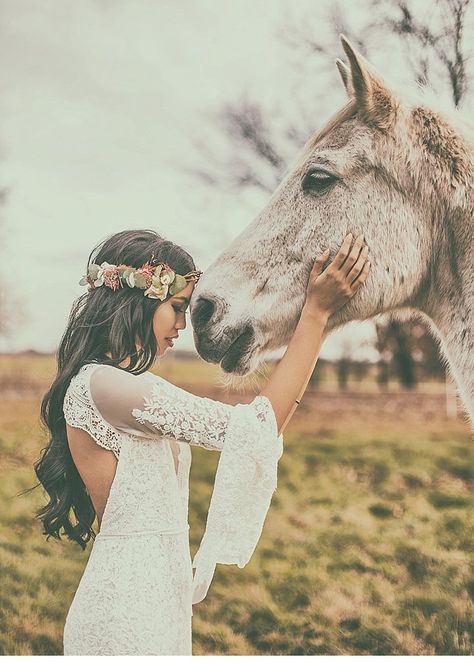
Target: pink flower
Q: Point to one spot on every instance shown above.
(111, 279)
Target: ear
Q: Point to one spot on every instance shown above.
(372, 96)
(345, 73)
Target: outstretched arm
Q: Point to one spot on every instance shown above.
(327, 291)
(148, 405)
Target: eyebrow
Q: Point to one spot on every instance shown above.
(184, 299)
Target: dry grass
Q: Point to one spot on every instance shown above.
(366, 549)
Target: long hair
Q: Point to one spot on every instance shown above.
(108, 327)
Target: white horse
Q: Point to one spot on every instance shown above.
(395, 170)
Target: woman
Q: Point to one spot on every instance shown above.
(120, 438)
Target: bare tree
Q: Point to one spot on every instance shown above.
(444, 44)
(261, 141)
(394, 343)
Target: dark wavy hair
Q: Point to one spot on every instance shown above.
(104, 326)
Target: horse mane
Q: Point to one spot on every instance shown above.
(444, 134)
(347, 112)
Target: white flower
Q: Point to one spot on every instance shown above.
(167, 277)
(157, 293)
(101, 273)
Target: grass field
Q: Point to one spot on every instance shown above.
(367, 548)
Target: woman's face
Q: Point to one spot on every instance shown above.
(170, 317)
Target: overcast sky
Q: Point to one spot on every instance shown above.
(101, 102)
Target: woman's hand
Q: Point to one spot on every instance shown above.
(329, 289)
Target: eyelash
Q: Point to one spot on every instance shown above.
(181, 311)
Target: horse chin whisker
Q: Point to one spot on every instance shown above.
(239, 383)
(233, 382)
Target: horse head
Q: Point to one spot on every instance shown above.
(369, 171)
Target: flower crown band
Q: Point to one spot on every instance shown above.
(158, 281)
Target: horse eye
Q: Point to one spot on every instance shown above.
(318, 181)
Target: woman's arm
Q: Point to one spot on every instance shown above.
(327, 291)
(148, 405)
(291, 376)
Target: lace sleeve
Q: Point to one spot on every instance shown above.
(246, 479)
(149, 405)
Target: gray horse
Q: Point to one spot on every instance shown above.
(391, 168)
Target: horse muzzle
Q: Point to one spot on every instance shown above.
(229, 346)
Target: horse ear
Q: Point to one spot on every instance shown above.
(345, 73)
(373, 97)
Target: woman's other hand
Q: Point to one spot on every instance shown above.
(331, 287)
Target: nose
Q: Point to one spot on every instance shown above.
(202, 313)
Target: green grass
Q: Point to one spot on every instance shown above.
(367, 548)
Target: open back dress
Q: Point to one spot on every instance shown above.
(136, 593)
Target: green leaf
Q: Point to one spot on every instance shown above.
(178, 284)
(93, 271)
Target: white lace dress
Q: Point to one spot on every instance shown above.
(136, 594)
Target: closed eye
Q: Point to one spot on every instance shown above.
(318, 181)
(180, 311)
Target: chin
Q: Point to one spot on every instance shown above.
(243, 365)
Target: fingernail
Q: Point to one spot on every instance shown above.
(349, 235)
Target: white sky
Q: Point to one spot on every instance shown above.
(101, 101)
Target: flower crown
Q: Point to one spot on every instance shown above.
(156, 280)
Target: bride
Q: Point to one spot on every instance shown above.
(120, 437)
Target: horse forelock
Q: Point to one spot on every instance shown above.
(346, 113)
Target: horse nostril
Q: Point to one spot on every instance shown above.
(202, 312)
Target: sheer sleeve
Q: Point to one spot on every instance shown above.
(149, 405)
(246, 476)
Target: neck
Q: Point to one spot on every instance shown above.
(123, 364)
(450, 303)
(457, 343)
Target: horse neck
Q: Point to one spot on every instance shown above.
(450, 299)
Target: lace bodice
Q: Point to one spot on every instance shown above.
(138, 418)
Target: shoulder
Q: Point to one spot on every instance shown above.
(93, 373)
(104, 382)
(109, 384)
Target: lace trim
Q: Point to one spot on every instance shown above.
(245, 480)
(171, 414)
(80, 411)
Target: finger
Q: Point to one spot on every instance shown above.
(353, 254)
(319, 262)
(358, 265)
(358, 281)
(343, 252)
